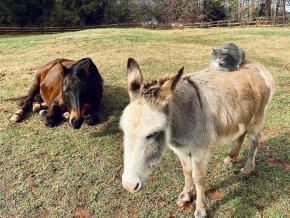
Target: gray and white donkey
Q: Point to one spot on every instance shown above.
(190, 114)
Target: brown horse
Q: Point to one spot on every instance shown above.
(65, 86)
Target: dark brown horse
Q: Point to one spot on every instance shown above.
(65, 86)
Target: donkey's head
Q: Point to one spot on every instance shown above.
(144, 123)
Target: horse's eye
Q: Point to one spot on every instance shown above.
(152, 136)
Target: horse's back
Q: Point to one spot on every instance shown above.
(50, 78)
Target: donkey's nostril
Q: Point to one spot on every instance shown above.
(136, 187)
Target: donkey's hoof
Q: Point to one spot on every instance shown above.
(65, 116)
(200, 213)
(184, 199)
(36, 107)
(244, 175)
(228, 161)
(15, 118)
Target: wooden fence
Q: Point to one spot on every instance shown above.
(260, 21)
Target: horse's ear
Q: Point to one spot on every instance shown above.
(134, 77)
(64, 69)
(86, 65)
(167, 88)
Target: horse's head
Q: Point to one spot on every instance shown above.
(76, 80)
(144, 123)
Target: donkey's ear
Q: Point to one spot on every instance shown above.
(134, 77)
(166, 90)
(172, 83)
(63, 69)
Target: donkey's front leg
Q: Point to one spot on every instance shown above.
(199, 164)
(186, 195)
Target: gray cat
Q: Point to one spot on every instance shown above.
(227, 58)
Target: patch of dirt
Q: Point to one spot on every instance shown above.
(273, 162)
(188, 206)
(43, 213)
(171, 215)
(81, 213)
(213, 194)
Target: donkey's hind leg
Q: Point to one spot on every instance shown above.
(187, 194)
(27, 103)
(234, 152)
(250, 163)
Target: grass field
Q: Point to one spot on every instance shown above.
(62, 172)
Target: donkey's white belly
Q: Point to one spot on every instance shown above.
(223, 140)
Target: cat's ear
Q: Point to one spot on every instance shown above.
(213, 50)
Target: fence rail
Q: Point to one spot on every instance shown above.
(259, 21)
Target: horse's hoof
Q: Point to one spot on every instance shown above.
(243, 175)
(36, 108)
(15, 118)
(42, 112)
(65, 116)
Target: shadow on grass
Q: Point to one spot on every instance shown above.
(114, 101)
(259, 191)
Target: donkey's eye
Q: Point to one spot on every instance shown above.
(152, 135)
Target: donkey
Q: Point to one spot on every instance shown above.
(65, 86)
(189, 114)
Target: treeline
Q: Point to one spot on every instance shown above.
(96, 12)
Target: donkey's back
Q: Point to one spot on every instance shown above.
(232, 103)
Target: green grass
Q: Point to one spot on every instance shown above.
(61, 172)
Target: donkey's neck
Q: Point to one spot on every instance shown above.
(186, 115)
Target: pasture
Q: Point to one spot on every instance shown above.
(62, 172)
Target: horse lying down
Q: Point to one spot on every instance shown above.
(189, 114)
(65, 86)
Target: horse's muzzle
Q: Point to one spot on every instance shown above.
(77, 123)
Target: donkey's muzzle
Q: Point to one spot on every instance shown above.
(77, 123)
(132, 184)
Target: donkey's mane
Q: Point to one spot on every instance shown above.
(149, 87)
(150, 91)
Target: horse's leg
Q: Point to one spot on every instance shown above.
(186, 195)
(39, 104)
(27, 103)
(250, 163)
(234, 152)
(199, 164)
(91, 117)
(52, 116)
